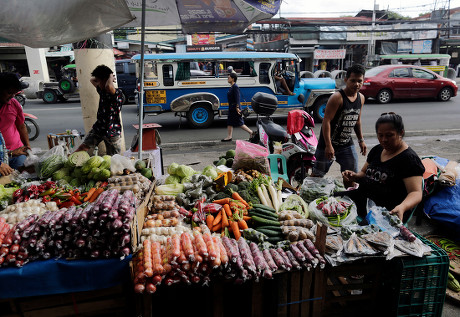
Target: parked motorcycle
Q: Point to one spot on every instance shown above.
(298, 142)
(21, 98)
(32, 126)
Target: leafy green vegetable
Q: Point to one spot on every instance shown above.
(6, 194)
(172, 179)
(295, 202)
(172, 168)
(170, 189)
(184, 171)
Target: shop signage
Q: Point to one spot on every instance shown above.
(203, 48)
(203, 39)
(329, 54)
(421, 46)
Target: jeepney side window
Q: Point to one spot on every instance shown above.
(168, 79)
(264, 75)
(150, 70)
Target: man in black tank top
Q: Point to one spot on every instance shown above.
(342, 116)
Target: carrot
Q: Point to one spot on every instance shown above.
(96, 194)
(246, 218)
(224, 219)
(235, 230)
(90, 193)
(222, 201)
(237, 196)
(227, 209)
(217, 220)
(209, 220)
(217, 227)
(242, 224)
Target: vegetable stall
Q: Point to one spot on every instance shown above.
(229, 236)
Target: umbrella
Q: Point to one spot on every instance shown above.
(45, 23)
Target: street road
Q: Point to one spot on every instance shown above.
(418, 115)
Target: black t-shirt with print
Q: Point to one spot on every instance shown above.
(108, 121)
(383, 182)
(343, 123)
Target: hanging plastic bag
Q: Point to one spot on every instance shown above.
(251, 156)
(32, 157)
(119, 163)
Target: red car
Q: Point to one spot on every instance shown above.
(388, 82)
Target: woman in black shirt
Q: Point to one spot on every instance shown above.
(392, 175)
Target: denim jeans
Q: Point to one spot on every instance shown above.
(17, 161)
(347, 157)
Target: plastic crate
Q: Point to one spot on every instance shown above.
(423, 282)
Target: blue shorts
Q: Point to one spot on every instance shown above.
(345, 156)
(17, 161)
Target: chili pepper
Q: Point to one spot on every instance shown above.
(75, 200)
(25, 198)
(50, 184)
(57, 201)
(48, 192)
(46, 199)
(41, 188)
(104, 184)
(62, 196)
(67, 204)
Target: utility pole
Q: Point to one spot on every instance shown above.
(371, 45)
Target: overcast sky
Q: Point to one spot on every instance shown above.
(336, 8)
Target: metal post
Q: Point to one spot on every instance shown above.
(141, 83)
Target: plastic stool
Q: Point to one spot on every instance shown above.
(278, 167)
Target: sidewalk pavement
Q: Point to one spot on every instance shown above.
(444, 144)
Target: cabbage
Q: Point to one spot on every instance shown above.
(211, 173)
(6, 193)
(209, 167)
(184, 171)
(172, 168)
(60, 173)
(186, 179)
(170, 189)
(172, 179)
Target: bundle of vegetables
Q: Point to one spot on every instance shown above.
(199, 187)
(243, 189)
(246, 175)
(267, 193)
(295, 203)
(228, 215)
(315, 187)
(334, 209)
(18, 212)
(93, 230)
(51, 165)
(137, 183)
(265, 220)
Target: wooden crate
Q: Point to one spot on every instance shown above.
(355, 289)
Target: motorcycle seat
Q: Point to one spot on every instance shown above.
(275, 131)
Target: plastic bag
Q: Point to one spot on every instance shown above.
(60, 149)
(334, 220)
(357, 246)
(251, 156)
(316, 187)
(119, 163)
(376, 216)
(32, 157)
(334, 244)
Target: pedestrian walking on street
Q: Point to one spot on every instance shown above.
(107, 127)
(235, 118)
(342, 115)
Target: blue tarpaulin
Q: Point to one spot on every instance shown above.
(62, 276)
(444, 207)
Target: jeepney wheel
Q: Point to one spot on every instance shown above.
(200, 116)
(319, 107)
(49, 96)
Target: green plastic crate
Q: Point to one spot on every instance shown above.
(423, 282)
